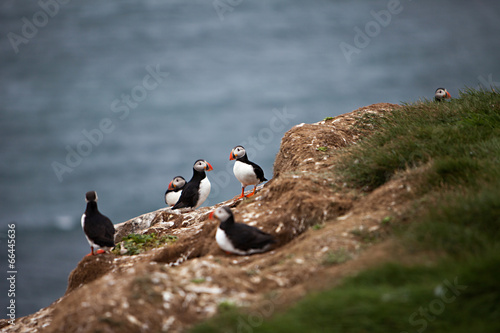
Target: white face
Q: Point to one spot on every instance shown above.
(440, 93)
(222, 213)
(200, 165)
(239, 151)
(178, 182)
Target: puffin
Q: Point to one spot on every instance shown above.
(98, 229)
(239, 238)
(174, 190)
(196, 191)
(441, 94)
(247, 172)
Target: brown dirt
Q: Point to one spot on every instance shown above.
(317, 223)
(88, 270)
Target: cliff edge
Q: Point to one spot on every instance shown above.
(321, 228)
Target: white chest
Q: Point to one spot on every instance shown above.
(91, 243)
(172, 197)
(245, 174)
(224, 242)
(204, 191)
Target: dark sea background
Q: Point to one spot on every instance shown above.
(243, 75)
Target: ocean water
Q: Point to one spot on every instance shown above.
(121, 96)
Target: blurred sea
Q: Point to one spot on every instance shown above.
(139, 90)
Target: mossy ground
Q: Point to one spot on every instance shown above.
(137, 243)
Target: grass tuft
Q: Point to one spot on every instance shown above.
(336, 257)
(136, 243)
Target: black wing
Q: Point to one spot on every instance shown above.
(101, 231)
(189, 197)
(258, 171)
(110, 231)
(248, 237)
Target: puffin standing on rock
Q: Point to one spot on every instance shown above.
(97, 228)
(197, 189)
(441, 94)
(239, 238)
(248, 173)
(174, 190)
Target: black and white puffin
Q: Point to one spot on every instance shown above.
(239, 238)
(441, 94)
(196, 191)
(174, 190)
(98, 228)
(248, 173)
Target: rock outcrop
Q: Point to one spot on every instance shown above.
(321, 230)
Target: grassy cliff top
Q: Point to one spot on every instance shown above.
(442, 271)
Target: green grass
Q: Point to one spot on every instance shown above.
(390, 298)
(136, 243)
(386, 220)
(462, 224)
(318, 226)
(460, 138)
(455, 218)
(336, 257)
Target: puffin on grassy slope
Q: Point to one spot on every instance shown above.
(239, 238)
(196, 191)
(97, 228)
(174, 190)
(441, 94)
(248, 173)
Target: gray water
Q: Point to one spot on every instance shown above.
(241, 73)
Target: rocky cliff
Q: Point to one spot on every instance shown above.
(320, 225)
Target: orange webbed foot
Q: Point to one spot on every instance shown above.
(242, 194)
(91, 252)
(253, 192)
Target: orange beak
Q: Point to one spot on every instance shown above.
(171, 186)
(209, 167)
(211, 216)
(448, 95)
(231, 156)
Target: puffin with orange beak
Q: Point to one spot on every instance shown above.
(196, 191)
(174, 190)
(441, 94)
(239, 238)
(247, 173)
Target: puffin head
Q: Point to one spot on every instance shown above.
(222, 214)
(441, 94)
(177, 183)
(91, 196)
(237, 153)
(202, 165)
